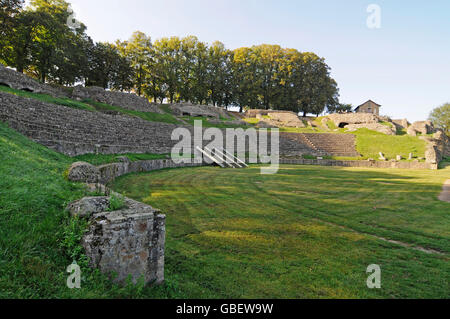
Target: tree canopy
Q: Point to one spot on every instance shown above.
(38, 40)
(440, 117)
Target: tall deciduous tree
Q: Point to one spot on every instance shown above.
(441, 117)
(138, 51)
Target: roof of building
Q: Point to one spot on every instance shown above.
(366, 103)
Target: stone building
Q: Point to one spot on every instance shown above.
(369, 107)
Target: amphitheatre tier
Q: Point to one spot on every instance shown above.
(76, 132)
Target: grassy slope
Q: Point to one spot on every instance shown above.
(90, 105)
(100, 159)
(38, 240)
(48, 99)
(218, 247)
(369, 143)
(236, 233)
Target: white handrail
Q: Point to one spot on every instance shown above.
(236, 158)
(210, 157)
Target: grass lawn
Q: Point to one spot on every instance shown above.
(239, 234)
(100, 159)
(232, 233)
(48, 98)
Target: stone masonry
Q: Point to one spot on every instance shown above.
(128, 101)
(76, 132)
(19, 81)
(129, 241)
(126, 243)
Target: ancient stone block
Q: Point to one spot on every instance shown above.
(423, 127)
(378, 127)
(88, 206)
(128, 243)
(84, 172)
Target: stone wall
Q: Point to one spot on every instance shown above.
(127, 101)
(369, 164)
(76, 132)
(104, 174)
(187, 109)
(19, 81)
(342, 120)
(128, 242)
(282, 119)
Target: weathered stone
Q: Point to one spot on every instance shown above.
(19, 81)
(123, 159)
(382, 157)
(186, 109)
(342, 120)
(431, 155)
(402, 124)
(128, 101)
(411, 156)
(88, 206)
(423, 127)
(284, 119)
(399, 158)
(84, 172)
(411, 131)
(378, 127)
(128, 242)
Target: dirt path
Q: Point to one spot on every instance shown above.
(396, 242)
(445, 195)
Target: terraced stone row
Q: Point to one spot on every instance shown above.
(75, 132)
(334, 144)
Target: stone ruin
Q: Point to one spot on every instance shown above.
(271, 118)
(192, 110)
(19, 81)
(128, 242)
(355, 121)
(127, 101)
(422, 127)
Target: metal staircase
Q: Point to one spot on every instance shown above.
(222, 157)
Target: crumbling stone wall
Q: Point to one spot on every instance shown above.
(342, 120)
(187, 109)
(282, 119)
(422, 127)
(127, 101)
(19, 81)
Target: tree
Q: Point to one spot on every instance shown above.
(9, 9)
(441, 117)
(219, 77)
(137, 50)
(167, 51)
(107, 68)
(340, 108)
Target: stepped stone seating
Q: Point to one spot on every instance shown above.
(19, 81)
(125, 100)
(76, 132)
(334, 144)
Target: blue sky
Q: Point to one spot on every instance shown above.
(404, 65)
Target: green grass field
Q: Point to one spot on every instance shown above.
(307, 232)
